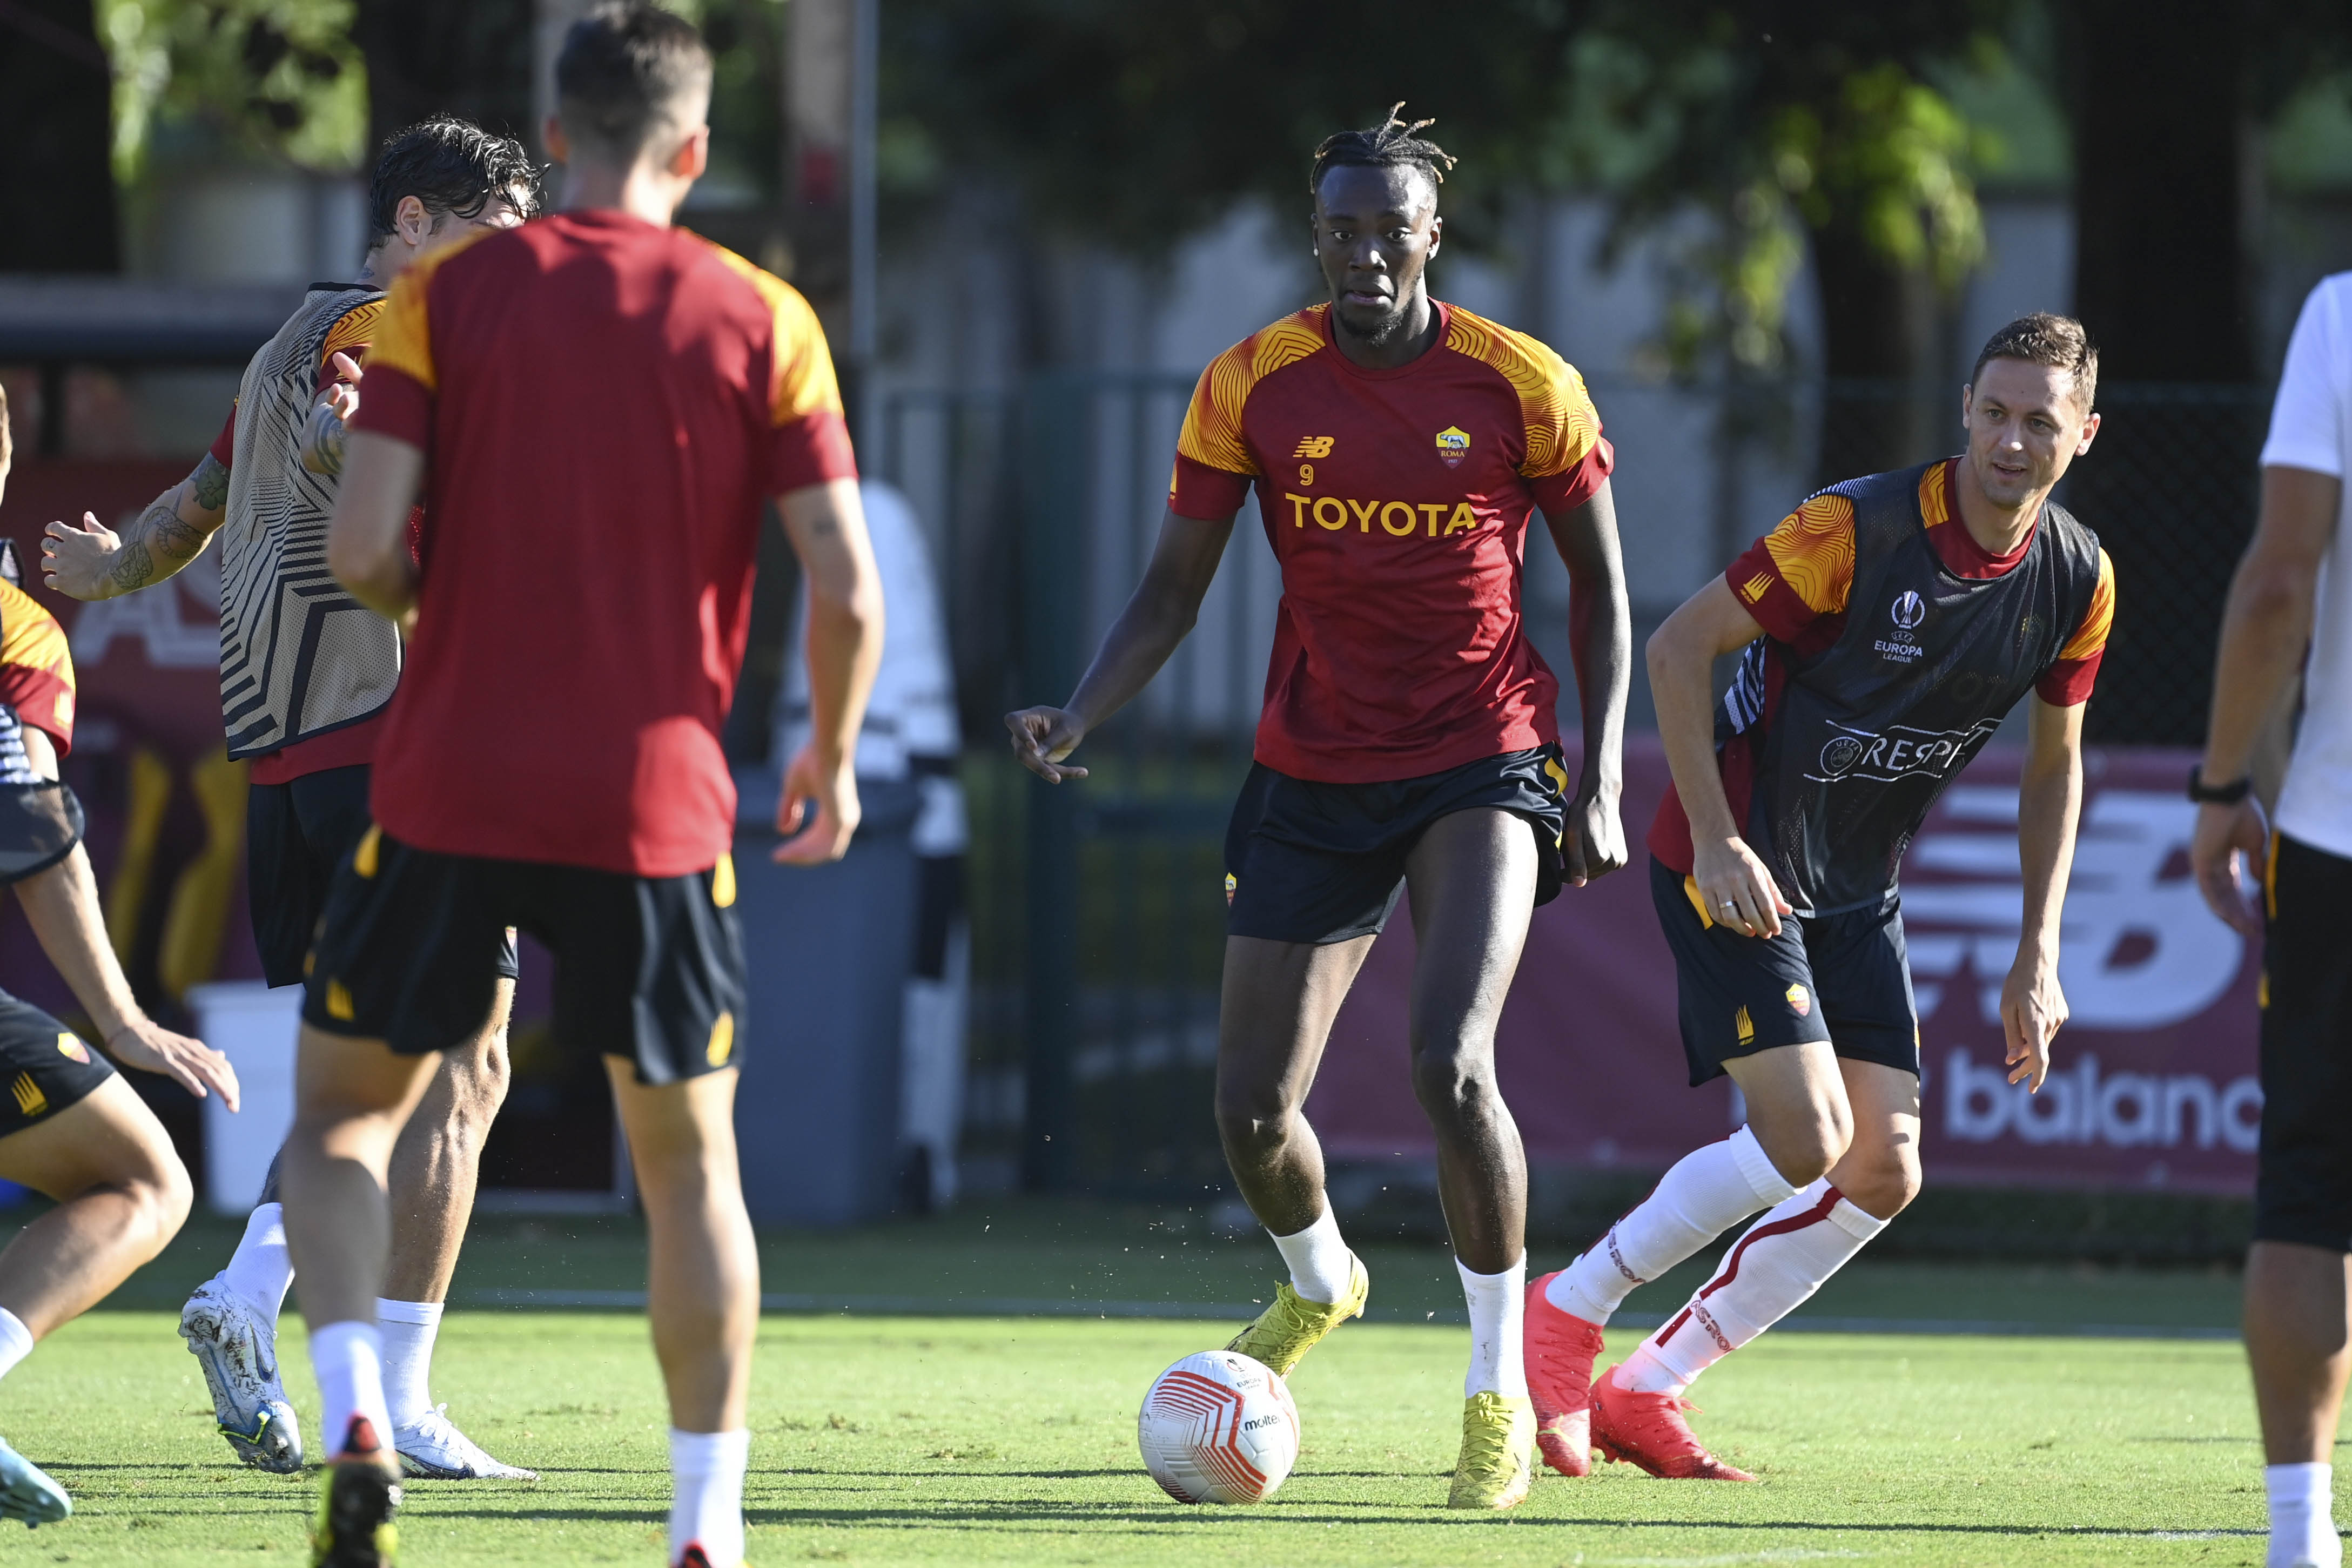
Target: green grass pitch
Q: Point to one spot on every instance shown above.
(977, 1440)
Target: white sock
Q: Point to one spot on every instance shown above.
(1320, 1263)
(1775, 1269)
(706, 1507)
(408, 1329)
(261, 1268)
(1708, 1191)
(1497, 1312)
(348, 1360)
(16, 1341)
(2303, 1516)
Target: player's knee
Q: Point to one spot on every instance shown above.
(1452, 1084)
(1883, 1184)
(479, 1078)
(1804, 1153)
(1253, 1123)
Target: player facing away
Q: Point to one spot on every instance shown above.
(304, 677)
(70, 1128)
(2293, 596)
(1886, 628)
(596, 406)
(1399, 447)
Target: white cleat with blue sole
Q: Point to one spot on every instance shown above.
(237, 1347)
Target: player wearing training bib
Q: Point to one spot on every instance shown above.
(71, 1127)
(1399, 449)
(1887, 626)
(305, 678)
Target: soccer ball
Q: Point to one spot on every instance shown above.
(1218, 1428)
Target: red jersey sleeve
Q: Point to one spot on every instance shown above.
(224, 446)
(37, 673)
(1566, 491)
(1801, 572)
(809, 439)
(2069, 681)
(1197, 490)
(1213, 463)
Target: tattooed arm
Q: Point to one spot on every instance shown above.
(93, 561)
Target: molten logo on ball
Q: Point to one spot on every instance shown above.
(1218, 1428)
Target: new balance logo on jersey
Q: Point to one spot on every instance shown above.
(30, 1101)
(1314, 447)
(1901, 753)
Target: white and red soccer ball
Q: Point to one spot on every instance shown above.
(1218, 1428)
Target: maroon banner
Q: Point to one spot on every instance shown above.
(2154, 1082)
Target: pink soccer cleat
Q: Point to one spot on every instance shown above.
(1560, 1350)
(1647, 1430)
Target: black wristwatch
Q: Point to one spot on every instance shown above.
(2206, 794)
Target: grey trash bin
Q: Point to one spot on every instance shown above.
(827, 949)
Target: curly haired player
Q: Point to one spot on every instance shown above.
(1400, 448)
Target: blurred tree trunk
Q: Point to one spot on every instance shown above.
(471, 59)
(1881, 349)
(57, 140)
(2158, 93)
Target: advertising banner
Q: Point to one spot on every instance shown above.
(2154, 1082)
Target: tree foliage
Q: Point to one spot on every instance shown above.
(1135, 124)
(278, 79)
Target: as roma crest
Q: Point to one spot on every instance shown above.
(1452, 447)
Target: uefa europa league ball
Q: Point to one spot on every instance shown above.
(1218, 1428)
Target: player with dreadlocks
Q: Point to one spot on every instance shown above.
(1399, 447)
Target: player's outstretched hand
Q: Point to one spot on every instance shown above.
(1042, 736)
(78, 561)
(1594, 844)
(2229, 839)
(323, 432)
(2033, 1009)
(814, 836)
(1739, 891)
(196, 1067)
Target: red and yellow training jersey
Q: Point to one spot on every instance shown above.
(606, 404)
(1397, 502)
(1795, 581)
(36, 673)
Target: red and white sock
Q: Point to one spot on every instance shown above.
(1776, 1266)
(348, 1360)
(1708, 1191)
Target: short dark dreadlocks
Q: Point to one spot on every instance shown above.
(1387, 145)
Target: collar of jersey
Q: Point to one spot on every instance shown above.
(1444, 331)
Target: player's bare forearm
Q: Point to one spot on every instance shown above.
(1158, 617)
(93, 562)
(1681, 655)
(62, 905)
(2049, 801)
(2267, 620)
(826, 524)
(1601, 628)
(367, 541)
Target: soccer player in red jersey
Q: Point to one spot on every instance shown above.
(596, 406)
(305, 676)
(1400, 448)
(1888, 625)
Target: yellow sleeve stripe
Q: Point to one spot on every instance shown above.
(1212, 435)
(351, 330)
(804, 382)
(2091, 637)
(1813, 547)
(30, 636)
(403, 330)
(1932, 491)
(1561, 425)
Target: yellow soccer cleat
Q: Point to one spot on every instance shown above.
(1498, 1446)
(1287, 1329)
(356, 1503)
